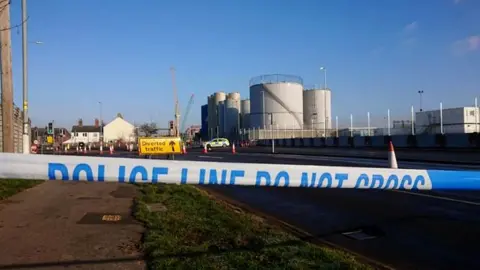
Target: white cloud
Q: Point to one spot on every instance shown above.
(466, 45)
(409, 28)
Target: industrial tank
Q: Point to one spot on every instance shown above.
(317, 108)
(221, 119)
(276, 100)
(244, 113)
(210, 116)
(232, 114)
(213, 112)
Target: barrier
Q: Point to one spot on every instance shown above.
(77, 168)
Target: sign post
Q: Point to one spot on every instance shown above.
(159, 146)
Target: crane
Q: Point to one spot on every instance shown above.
(187, 111)
(175, 97)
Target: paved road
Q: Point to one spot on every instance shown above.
(437, 156)
(409, 230)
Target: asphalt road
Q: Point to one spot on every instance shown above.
(404, 230)
(438, 156)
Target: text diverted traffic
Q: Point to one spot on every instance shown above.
(308, 177)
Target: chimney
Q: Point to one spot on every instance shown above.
(80, 122)
(97, 123)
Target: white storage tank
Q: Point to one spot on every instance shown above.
(213, 121)
(211, 116)
(317, 108)
(244, 112)
(232, 113)
(221, 119)
(276, 100)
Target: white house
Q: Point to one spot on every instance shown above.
(119, 129)
(86, 134)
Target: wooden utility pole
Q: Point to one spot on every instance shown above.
(6, 73)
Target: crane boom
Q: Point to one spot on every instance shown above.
(187, 111)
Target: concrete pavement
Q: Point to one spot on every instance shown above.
(70, 224)
(406, 230)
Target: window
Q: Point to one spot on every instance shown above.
(95, 135)
(85, 134)
(75, 134)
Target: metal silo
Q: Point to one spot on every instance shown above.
(244, 113)
(232, 114)
(221, 119)
(210, 117)
(213, 123)
(276, 100)
(317, 108)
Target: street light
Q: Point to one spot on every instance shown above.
(420, 92)
(26, 125)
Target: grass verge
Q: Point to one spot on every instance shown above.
(193, 231)
(9, 187)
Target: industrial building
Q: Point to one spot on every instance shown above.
(277, 102)
(452, 120)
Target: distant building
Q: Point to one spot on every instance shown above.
(85, 133)
(60, 135)
(453, 120)
(204, 122)
(119, 130)
(192, 131)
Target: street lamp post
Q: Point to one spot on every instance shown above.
(25, 137)
(420, 92)
(26, 125)
(101, 121)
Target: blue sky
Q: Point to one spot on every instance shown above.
(378, 54)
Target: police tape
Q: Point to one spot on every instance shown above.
(127, 170)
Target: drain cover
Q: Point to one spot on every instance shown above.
(107, 218)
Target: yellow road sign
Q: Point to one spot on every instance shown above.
(156, 146)
(50, 139)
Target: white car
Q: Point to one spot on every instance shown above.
(217, 143)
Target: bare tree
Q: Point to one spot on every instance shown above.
(148, 129)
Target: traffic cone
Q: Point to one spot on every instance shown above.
(111, 150)
(392, 159)
(101, 149)
(204, 151)
(184, 149)
(233, 148)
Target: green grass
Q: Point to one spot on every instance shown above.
(9, 187)
(197, 232)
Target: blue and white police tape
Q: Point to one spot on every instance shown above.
(100, 169)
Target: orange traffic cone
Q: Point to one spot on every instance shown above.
(184, 149)
(204, 151)
(233, 148)
(392, 159)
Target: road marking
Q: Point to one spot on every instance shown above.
(439, 197)
(210, 157)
